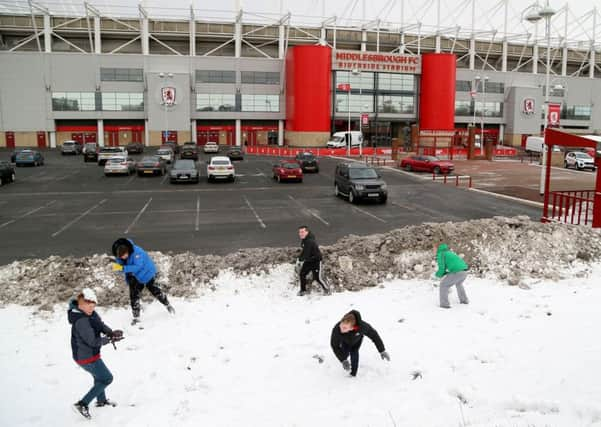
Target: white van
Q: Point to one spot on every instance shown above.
(339, 139)
(535, 144)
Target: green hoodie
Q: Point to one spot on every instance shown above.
(448, 261)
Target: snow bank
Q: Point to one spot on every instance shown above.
(509, 249)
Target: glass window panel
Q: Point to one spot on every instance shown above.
(463, 108)
(359, 103)
(361, 80)
(463, 86)
(88, 101)
(395, 104)
(396, 82)
(215, 102)
(108, 101)
(121, 74)
(107, 74)
(136, 75)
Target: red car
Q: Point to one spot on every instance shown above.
(286, 170)
(427, 164)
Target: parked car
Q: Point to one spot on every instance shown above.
(71, 147)
(135, 147)
(308, 161)
(189, 151)
(235, 153)
(427, 164)
(339, 139)
(211, 147)
(29, 157)
(120, 166)
(7, 172)
(579, 160)
(184, 170)
(90, 152)
(358, 181)
(166, 154)
(287, 170)
(173, 145)
(151, 165)
(13, 156)
(220, 167)
(106, 153)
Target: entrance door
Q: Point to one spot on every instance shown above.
(77, 137)
(169, 136)
(41, 139)
(10, 139)
(89, 137)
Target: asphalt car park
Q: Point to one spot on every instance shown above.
(69, 207)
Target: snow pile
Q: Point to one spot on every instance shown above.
(251, 353)
(509, 249)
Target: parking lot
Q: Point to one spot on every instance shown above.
(68, 207)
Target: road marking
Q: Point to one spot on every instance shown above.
(506, 197)
(131, 178)
(28, 213)
(69, 224)
(197, 214)
(138, 216)
(309, 211)
(368, 214)
(165, 178)
(255, 212)
(409, 208)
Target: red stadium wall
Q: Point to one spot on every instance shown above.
(437, 92)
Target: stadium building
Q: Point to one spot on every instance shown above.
(243, 78)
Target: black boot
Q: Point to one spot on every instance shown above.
(82, 408)
(107, 402)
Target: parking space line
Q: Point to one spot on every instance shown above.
(129, 181)
(197, 225)
(28, 213)
(309, 211)
(69, 224)
(165, 178)
(138, 216)
(368, 214)
(255, 212)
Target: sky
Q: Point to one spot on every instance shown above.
(489, 13)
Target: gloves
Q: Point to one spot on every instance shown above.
(117, 267)
(116, 335)
(346, 365)
(384, 355)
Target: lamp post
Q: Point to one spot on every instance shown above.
(483, 113)
(165, 107)
(348, 104)
(534, 13)
(357, 72)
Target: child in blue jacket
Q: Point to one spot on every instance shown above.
(139, 272)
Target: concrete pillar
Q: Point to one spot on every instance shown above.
(52, 135)
(363, 40)
(100, 133)
(535, 51)
(145, 37)
(238, 132)
(97, 35)
(502, 133)
(193, 132)
(564, 61)
(282, 41)
(192, 49)
(504, 57)
(473, 53)
(146, 134)
(238, 34)
(280, 133)
(47, 33)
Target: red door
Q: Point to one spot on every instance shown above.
(41, 139)
(136, 136)
(10, 139)
(77, 137)
(113, 138)
(169, 136)
(89, 137)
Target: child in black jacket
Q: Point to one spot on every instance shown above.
(347, 337)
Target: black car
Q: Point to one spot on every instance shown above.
(184, 171)
(7, 172)
(358, 181)
(308, 161)
(134, 148)
(90, 152)
(151, 165)
(189, 151)
(235, 153)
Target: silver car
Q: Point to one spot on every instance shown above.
(70, 147)
(119, 166)
(166, 154)
(579, 160)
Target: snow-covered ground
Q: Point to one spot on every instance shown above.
(243, 355)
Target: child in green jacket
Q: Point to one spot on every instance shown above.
(453, 271)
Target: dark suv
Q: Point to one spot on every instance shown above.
(189, 151)
(358, 181)
(90, 152)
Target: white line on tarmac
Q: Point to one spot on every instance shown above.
(197, 214)
(309, 211)
(368, 214)
(506, 197)
(28, 213)
(69, 224)
(255, 212)
(131, 178)
(165, 178)
(138, 216)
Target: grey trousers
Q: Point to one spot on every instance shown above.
(449, 280)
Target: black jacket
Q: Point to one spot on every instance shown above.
(309, 249)
(85, 334)
(354, 338)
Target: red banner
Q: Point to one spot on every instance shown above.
(365, 119)
(345, 87)
(553, 115)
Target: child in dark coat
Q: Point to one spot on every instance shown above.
(347, 337)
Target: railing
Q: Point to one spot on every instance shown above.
(571, 207)
(455, 178)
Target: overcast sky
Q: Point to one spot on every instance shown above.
(453, 13)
